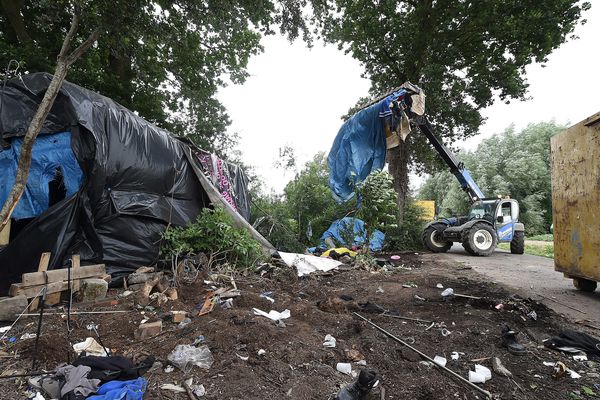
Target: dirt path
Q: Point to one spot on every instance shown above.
(532, 276)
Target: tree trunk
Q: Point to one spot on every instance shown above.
(62, 66)
(12, 10)
(398, 168)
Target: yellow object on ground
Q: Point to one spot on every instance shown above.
(428, 207)
(575, 201)
(342, 251)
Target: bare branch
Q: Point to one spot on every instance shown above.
(71, 34)
(83, 47)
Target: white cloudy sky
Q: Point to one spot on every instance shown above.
(295, 97)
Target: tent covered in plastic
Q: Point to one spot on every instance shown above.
(104, 183)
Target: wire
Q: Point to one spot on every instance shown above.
(23, 312)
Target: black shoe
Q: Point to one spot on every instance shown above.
(509, 340)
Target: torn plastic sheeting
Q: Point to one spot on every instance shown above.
(338, 227)
(359, 148)
(307, 264)
(51, 155)
(91, 347)
(273, 315)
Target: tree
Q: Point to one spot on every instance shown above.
(512, 163)
(462, 53)
(65, 60)
(162, 59)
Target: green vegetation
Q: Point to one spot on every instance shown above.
(534, 250)
(213, 233)
(515, 164)
(548, 237)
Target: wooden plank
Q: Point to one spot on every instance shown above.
(57, 275)
(75, 264)
(42, 267)
(5, 234)
(53, 298)
(17, 289)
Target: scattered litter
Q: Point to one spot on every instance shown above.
(243, 358)
(500, 369)
(185, 357)
(199, 390)
(360, 388)
(362, 362)
(273, 315)
(532, 315)
(354, 355)
(441, 361)
(227, 304)
(456, 355)
(5, 329)
(307, 264)
(344, 368)
(329, 341)
(395, 258)
(126, 293)
(580, 357)
(91, 347)
(380, 290)
(262, 352)
(560, 370)
(480, 375)
(169, 369)
(499, 306)
(420, 298)
(445, 332)
(26, 336)
(174, 388)
(410, 285)
(267, 296)
(199, 339)
(427, 364)
(184, 323)
(447, 292)
(439, 286)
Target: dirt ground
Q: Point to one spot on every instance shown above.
(296, 365)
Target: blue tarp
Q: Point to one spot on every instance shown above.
(359, 148)
(121, 390)
(50, 152)
(337, 228)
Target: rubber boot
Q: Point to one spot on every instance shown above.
(360, 388)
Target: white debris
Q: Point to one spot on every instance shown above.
(480, 375)
(329, 341)
(273, 315)
(307, 264)
(344, 368)
(441, 361)
(447, 292)
(262, 352)
(439, 286)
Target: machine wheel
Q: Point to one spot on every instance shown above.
(433, 240)
(517, 244)
(480, 240)
(585, 285)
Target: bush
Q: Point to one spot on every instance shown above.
(213, 233)
(407, 234)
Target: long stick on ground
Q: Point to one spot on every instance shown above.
(425, 356)
(558, 302)
(406, 318)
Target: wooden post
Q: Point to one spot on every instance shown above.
(5, 234)
(42, 267)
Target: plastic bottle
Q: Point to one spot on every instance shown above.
(359, 389)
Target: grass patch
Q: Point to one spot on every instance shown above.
(548, 237)
(535, 250)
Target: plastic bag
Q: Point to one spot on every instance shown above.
(185, 357)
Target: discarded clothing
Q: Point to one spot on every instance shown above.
(77, 381)
(338, 252)
(121, 390)
(52, 163)
(339, 228)
(572, 341)
(114, 367)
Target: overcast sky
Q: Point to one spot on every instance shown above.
(295, 96)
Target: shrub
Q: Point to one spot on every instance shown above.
(213, 233)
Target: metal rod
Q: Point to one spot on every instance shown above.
(562, 304)
(407, 318)
(28, 374)
(81, 312)
(39, 327)
(425, 356)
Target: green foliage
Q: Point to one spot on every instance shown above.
(548, 237)
(213, 233)
(378, 207)
(162, 59)
(511, 163)
(407, 234)
(533, 249)
(461, 53)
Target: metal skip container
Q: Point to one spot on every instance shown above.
(575, 165)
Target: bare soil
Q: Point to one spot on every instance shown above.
(297, 366)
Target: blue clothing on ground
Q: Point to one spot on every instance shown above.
(121, 390)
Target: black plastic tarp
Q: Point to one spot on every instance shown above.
(138, 178)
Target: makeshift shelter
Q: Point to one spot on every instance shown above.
(104, 183)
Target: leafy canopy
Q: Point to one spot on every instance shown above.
(162, 59)
(463, 53)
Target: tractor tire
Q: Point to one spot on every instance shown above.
(480, 240)
(585, 285)
(432, 240)
(517, 244)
